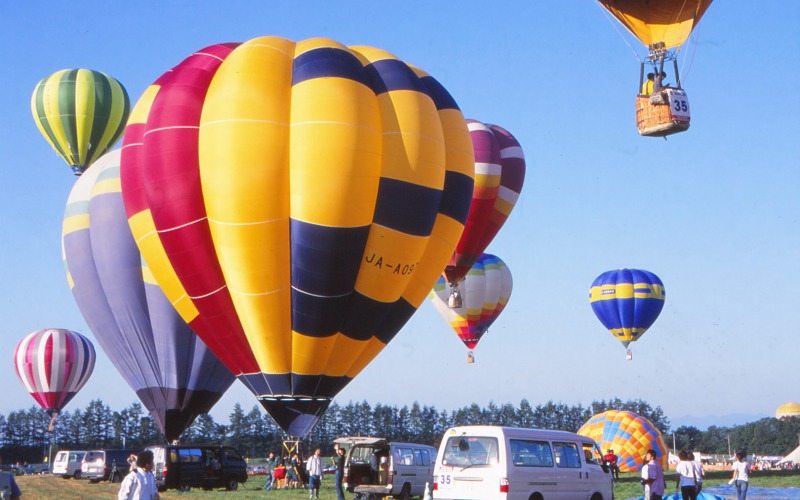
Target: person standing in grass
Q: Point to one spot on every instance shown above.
(698, 471)
(270, 467)
(140, 484)
(741, 474)
(686, 478)
(653, 477)
(314, 467)
(338, 461)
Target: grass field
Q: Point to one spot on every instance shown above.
(46, 487)
(628, 485)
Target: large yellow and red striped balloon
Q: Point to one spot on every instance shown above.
(629, 435)
(296, 201)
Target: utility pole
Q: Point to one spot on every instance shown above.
(729, 445)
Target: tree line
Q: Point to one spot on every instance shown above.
(24, 435)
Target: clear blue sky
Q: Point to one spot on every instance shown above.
(714, 212)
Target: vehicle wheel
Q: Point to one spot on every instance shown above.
(405, 493)
(64, 476)
(232, 484)
(77, 475)
(161, 489)
(185, 488)
(116, 478)
(597, 496)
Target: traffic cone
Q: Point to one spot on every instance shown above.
(427, 495)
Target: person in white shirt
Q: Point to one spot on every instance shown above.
(686, 478)
(314, 467)
(741, 474)
(698, 471)
(652, 477)
(140, 484)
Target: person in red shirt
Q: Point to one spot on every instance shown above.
(611, 460)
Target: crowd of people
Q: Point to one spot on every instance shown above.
(299, 474)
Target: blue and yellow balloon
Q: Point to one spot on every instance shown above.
(627, 302)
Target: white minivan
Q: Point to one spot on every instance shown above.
(67, 463)
(491, 462)
(377, 468)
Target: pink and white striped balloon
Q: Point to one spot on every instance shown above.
(53, 364)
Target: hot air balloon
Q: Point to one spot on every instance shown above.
(296, 202)
(173, 373)
(53, 364)
(660, 26)
(627, 302)
(82, 114)
(485, 292)
(629, 435)
(499, 175)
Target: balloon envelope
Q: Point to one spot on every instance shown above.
(485, 293)
(82, 114)
(499, 176)
(668, 21)
(53, 364)
(173, 373)
(629, 435)
(296, 202)
(627, 302)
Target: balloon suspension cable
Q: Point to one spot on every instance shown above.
(696, 34)
(455, 301)
(614, 25)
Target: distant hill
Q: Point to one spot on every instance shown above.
(703, 423)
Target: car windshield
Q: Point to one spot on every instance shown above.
(468, 451)
(92, 456)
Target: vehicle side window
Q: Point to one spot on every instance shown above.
(426, 457)
(418, 457)
(525, 453)
(406, 456)
(190, 455)
(567, 455)
(173, 455)
(592, 454)
(360, 455)
(231, 454)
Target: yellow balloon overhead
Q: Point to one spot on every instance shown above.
(667, 21)
(296, 201)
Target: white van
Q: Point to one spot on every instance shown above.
(376, 468)
(67, 464)
(490, 462)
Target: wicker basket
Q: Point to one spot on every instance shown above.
(656, 120)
